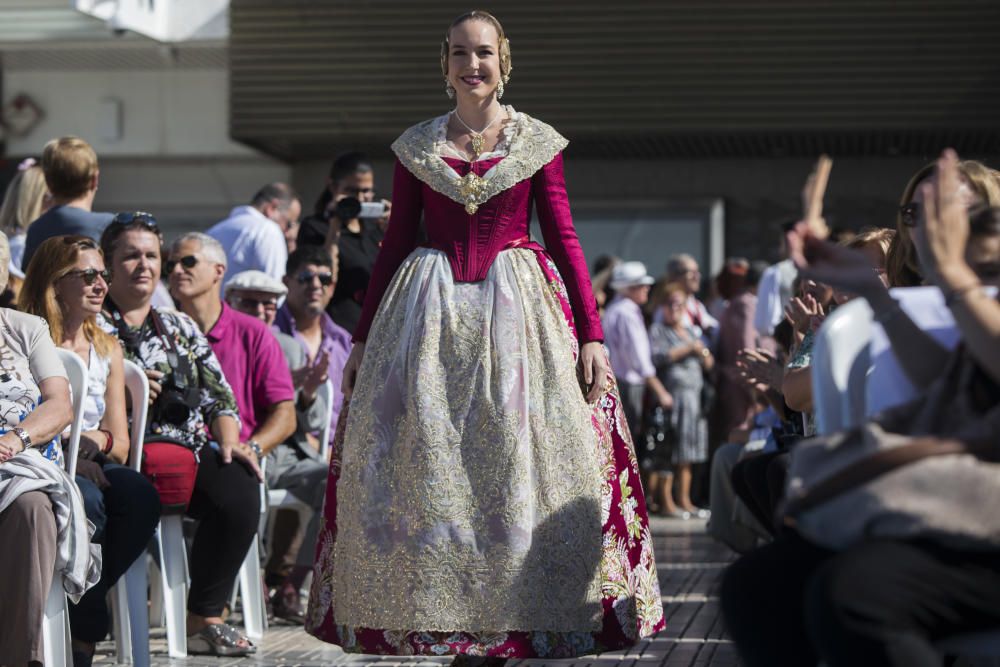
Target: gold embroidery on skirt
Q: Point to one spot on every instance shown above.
(469, 497)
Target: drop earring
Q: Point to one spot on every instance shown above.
(500, 89)
(449, 89)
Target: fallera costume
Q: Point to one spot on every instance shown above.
(477, 503)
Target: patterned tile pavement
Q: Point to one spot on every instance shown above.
(689, 564)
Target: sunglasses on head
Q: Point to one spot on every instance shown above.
(90, 275)
(187, 261)
(306, 277)
(136, 217)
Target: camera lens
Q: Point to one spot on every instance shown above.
(347, 208)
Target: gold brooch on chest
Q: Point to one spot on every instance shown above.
(471, 189)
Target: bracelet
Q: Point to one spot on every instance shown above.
(255, 447)
(111, 441)
(955, 295)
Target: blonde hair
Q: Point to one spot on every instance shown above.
(902, 265)
(55, 258)
(70, 166)
(504, 44)
(4, 261)
(23, 201)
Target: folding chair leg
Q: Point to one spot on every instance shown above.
(55, 628)
(173, 572)
(252, 592)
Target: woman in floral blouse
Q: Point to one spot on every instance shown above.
(191, 403)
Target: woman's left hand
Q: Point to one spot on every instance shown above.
(243, 453)
(10, 446)
(596, 370)
(946, 219)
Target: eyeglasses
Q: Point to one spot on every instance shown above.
(908, 214)
(306, 277)
(136, 217)
(90, 276)
(256, 304)
(187, 261)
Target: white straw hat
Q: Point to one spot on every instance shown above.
(630, 274)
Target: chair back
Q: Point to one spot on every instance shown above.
(325, 393)
(137, 386)
(77, 372)
(840, 365)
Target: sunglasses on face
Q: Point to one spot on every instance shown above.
(306, 277)
(90, 276)
(255, 304)
(187, 261)
(908, 214)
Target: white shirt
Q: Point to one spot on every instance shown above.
(252, 242)
(773, 293)
(627, 341)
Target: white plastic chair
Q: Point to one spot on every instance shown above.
(128, 597)
(250, 584)
(840, 364)
(55, 623)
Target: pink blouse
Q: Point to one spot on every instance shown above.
(473, 241)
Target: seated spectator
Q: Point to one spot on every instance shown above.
(254, 235)
(884, 600)
(27, 197)
(681, 361)
(72, 175)
(980, 187)
(352, 241)
(628, 342)
(34, 410)
(66, 285)
(296, 464)
(191, 403)
(310, 280)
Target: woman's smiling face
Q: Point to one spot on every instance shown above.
(474, 58)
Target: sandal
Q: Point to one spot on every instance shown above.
(219, 639)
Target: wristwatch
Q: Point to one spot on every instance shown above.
(23, 437)
(255, 446)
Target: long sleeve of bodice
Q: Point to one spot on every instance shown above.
(548, 187)
(400, 240)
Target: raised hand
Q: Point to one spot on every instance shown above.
(945, 233)
(760, 369)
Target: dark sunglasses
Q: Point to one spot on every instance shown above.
(306, 277)
(908, 214)
(90, 275)
(187, 261)
(136, 217)
(255, 304)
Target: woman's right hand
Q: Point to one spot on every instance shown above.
(154, 376)
(351, 369)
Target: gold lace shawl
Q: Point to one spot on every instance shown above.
(533, 144)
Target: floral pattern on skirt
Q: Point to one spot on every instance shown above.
(630, 594)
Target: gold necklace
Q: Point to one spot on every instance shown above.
(478, 142)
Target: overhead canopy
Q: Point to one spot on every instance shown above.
(633, 78)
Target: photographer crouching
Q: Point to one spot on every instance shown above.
(192, 452)
(350, 224)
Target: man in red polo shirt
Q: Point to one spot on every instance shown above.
(248, 352)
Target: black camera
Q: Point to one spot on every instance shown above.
(179, 394)
(350, 208)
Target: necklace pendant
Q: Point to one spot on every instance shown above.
(478, 143)
(471, 208)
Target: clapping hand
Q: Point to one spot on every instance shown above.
(760, 369)
(945, 232)
(310, 377)
(801, 311)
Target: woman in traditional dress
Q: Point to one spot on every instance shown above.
(480, 502)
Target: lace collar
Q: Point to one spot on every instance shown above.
(531, 144)
(445, 148)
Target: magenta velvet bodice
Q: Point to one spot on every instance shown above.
(472, 241)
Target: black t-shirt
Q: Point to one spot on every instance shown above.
(357, 257)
